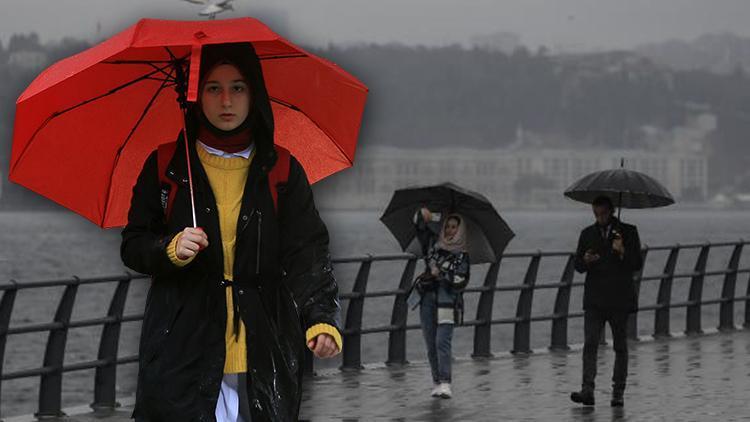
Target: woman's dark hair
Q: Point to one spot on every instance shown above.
(603, 201)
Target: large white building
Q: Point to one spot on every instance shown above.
(511, 178)
(28, 59)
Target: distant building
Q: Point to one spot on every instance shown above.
(504, 42)
(511, 178)
(28, 59)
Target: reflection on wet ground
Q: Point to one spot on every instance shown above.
(704, 378)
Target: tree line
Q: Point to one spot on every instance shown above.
(442, 96)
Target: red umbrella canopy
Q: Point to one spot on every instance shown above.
(85, 125)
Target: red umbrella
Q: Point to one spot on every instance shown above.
(86, 124)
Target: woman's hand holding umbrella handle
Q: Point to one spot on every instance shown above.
(426, 214)
(191, 241)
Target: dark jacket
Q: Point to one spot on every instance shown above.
(454, 268)
(609, 280)
(282, 277)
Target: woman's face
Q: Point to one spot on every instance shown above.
(451, 228)
(225, 98)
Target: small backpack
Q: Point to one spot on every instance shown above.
(278, 175)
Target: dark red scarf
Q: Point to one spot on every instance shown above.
(229, 142)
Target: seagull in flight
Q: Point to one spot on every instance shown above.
(212, 8)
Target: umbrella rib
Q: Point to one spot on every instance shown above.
(130, 135)
(136, 61)
(272, 57)
(282, 56)
(73, 107)
(174, 58)
(161, 70)
(142, 116)
(297, 109)
(173, 61)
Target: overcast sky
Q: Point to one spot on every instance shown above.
(570, 24)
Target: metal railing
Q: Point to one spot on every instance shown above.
(353, 329)
(53, 366)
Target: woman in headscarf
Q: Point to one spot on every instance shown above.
(441, 305)
(235, 300)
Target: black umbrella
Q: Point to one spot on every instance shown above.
(626, 188)
(487, 234)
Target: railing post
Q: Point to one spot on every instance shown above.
(397, 337)
(352, 330)
(726, 311)
(6, 309)
(522, 329)
(483, 331)
(633, 318)
(664, 299)
(693, 322)
(562, 307)
(50, 388)
(747, 305)
(106, 376)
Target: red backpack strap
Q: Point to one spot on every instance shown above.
(164, 155)
(279, 174)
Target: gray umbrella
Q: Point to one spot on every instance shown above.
(626, 188)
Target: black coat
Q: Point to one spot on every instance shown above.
(609, 280)
(282, 277)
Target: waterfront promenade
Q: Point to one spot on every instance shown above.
(695, 378)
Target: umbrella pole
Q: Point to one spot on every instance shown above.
(182, 99)
(619, 201)
(189, 167)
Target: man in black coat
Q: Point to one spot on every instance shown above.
(609, 252)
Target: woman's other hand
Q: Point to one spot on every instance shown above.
(323, 346)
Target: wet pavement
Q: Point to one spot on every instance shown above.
(704, 378)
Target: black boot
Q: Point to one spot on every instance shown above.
(585, 397)
(617, 398)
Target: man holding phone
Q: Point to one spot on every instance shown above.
(609, 252)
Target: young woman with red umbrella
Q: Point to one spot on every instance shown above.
(235, 299)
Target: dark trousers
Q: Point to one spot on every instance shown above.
(244, 412)
(593, 324)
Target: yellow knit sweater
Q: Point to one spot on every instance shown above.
(227, 177)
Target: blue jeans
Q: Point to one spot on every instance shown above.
(437, 334)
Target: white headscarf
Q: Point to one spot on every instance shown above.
(458, 242)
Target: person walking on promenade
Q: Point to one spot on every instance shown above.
(440, 287)
(609, 252)
(234, 301)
